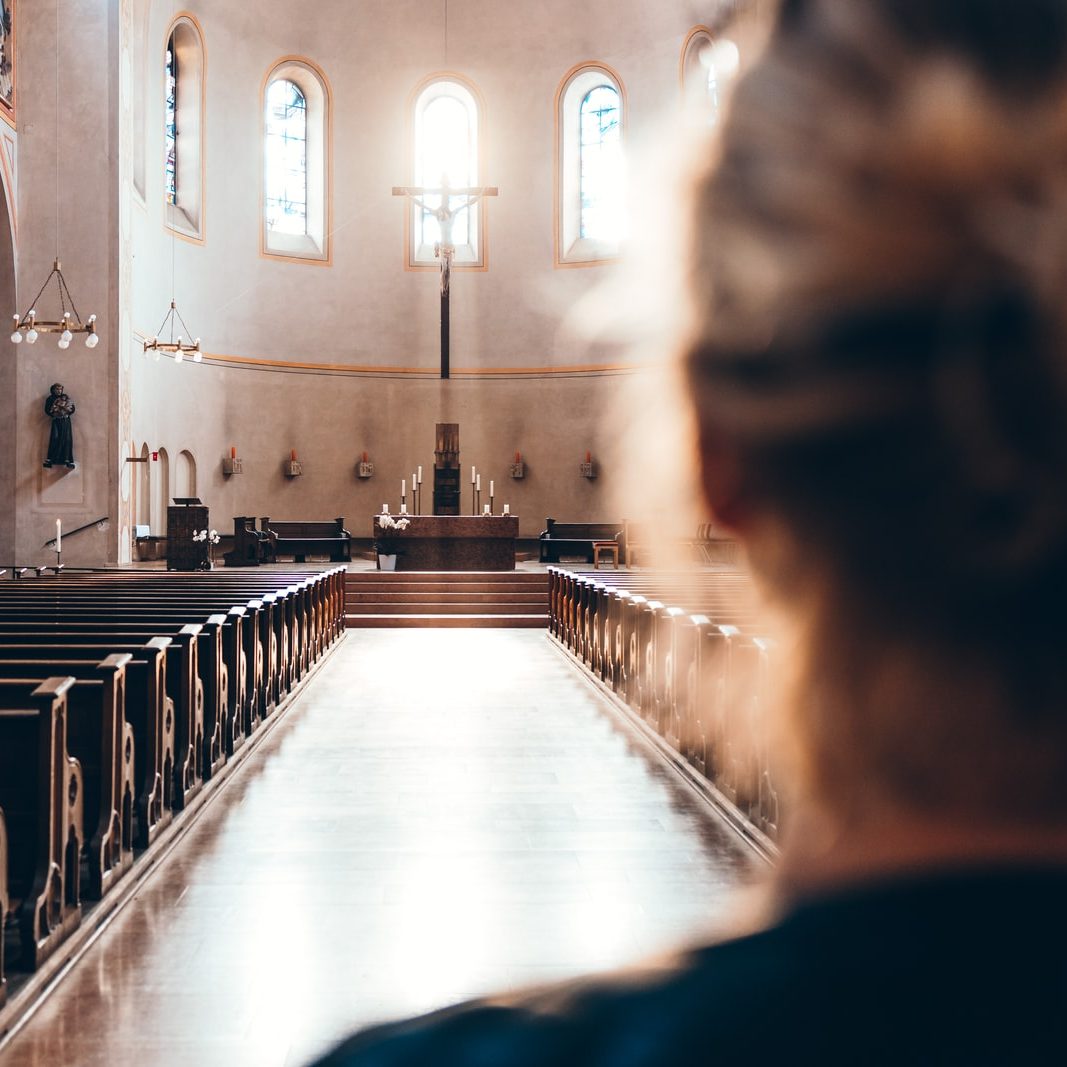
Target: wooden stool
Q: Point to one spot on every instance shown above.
(610, 548)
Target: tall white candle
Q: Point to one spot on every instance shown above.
(474, 475)
(59, 534)
(403, 488)
(414, 483)
(478, 484)
(490, 487)
(420, 474)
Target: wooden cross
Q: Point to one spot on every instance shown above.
(445, 250)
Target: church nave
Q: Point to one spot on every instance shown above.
(440, 814)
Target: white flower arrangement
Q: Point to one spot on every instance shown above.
(211, 536)
(386, 542)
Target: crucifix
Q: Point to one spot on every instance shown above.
(444, 250)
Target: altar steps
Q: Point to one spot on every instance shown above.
(446, 599)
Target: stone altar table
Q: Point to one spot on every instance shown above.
(456, 542)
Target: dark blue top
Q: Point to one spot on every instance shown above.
(954, 969)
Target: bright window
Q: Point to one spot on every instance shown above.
(446, 153)
(183, 128)
(287, 174)
(170, 125)
(601, 165)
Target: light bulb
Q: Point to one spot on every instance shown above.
(156, 355)
(16, 338)
(92, 340)
(66, 335)
(64, 344)
(179, 356)
(199, 357)
(31, 336)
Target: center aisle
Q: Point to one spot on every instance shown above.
(441, 814)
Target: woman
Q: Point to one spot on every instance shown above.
(879, 368)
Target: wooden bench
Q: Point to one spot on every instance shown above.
(5, 904)
(101, 739)
(575, 538)
(41, 795)
(304, 538)
(251, 547)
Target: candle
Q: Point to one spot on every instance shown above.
(589, 457)
(490, 487)
(403, 509)
(518, 457)
(233, 451)
(292, 455)
(403, 488)
(486, 511)
(420, 474)
(474, 475)
(507, 509)
(59, 534)
(385, 509)
(478, 484)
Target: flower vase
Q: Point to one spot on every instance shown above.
(386, 562)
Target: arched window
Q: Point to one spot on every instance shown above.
(446, 151)
(707, 65)
(296, 161)
(183, 128)
(591, 111)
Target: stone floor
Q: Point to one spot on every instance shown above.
(441, 814)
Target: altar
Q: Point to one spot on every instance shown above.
(456, 542)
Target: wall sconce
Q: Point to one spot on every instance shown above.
(518, 468)
(364, 469)
(232, 465)
(588, 468)
(291, 468)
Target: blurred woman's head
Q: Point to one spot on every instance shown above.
(879, 362)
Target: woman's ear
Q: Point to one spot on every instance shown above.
(724, 491)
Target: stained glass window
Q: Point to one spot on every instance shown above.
(600, 164)
(446, 152)
(170, 130)
(286, 147)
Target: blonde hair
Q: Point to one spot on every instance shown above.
(880, 338)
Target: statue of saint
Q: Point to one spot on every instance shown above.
(59, 407)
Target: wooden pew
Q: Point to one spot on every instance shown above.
(41, 794)
(575, 538)
(302, 538)
(5, 904)
(102, 741)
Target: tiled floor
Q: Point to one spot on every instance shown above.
(442, 814)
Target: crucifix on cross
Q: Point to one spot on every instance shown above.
(444, 249)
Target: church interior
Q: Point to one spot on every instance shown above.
(379, 626)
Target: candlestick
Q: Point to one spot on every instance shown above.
(486, 512)
(403, 488)
(403, 509)
(59, 534)
(474, 475)
(507, 509)
(420, 474)
(490, 488)
(478, 486)
(385, 509)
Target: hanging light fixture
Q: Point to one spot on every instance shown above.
(67, 325)
(29, 326)
(178, 347)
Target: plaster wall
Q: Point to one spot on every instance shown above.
(79, 224)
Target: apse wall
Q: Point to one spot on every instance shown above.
(340, 358)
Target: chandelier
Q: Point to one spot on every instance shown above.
(67, 325)
(178, 347)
